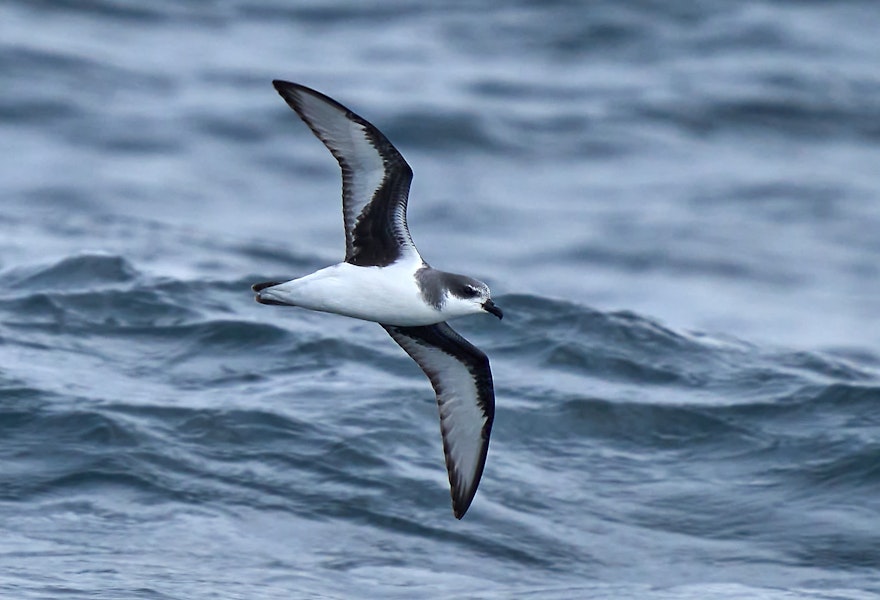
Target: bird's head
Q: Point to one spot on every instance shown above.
(466, 295)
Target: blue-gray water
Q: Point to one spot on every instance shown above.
(676, 204)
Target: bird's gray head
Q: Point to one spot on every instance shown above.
(457, 295)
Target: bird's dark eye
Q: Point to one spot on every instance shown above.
(469, 291)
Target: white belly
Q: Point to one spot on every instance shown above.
(382, 294)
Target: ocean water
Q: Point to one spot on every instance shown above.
(675, 203)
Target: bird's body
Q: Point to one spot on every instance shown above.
(391, 295)
(380, 294)
(384, 279)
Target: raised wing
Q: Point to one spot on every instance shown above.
(462, 380)
(375, 177)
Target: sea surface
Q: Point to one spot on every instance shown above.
(677, 205)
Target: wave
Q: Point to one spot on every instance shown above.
(74, 272)
(196, 395)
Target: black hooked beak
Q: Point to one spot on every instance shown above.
(490, 308)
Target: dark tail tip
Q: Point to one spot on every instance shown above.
(262, 286)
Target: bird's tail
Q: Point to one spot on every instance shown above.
(259, 287)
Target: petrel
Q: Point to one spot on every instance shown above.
(384, 279)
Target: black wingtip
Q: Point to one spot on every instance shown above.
(285, 89)
(462, 497)
(460, 507)
(461, 504)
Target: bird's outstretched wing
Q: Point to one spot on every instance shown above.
(462, 380)
(375, 177)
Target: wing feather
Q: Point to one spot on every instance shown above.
(462, 380)
(375, 177)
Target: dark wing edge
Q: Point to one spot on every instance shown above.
(462, 380)
(375, 176)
